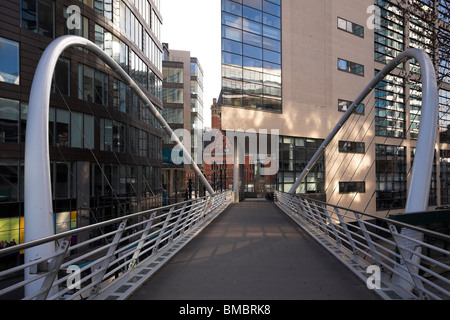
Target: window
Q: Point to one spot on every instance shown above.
(173, 116)
(82, 130)
(352, 147)
(119, 95)
(173, 75)
(390, 163)
(61, 80)
(389, 40)
(343, 106)
(350, 67)
(104, 7)
(251, 54)
(352, 187)
(9, 120)
(295, 153)
(62, 133)
(390, 107)
(39, 16)
(351, 27)
(92, 85)
(173, 95)
(10, 179)
(9, 61)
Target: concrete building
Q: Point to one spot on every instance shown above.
(183, 111)
(105, 146)
(295, 66)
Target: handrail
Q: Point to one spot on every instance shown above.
(365, 242)
(87, 269)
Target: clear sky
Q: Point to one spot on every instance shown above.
(194, 25)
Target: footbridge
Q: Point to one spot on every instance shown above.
(288, 246)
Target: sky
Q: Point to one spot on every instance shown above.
(194, 25)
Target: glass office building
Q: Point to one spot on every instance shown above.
(251, 54)
(105, 146)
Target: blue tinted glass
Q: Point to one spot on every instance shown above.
(232, 7)
(272, 56)
(272, 44)
(252, 39)
(257, 4)
(271, 32)
(272, 68)
(252, 63)
(252, 76)
(252, 51)
(231, 20)
(252, 26)
(231, 33)
(9, 61)
(342, 64)
(278, 2)
(272, 8)
(271, 20)
(232, 46)
(233, 59)
(252, 14)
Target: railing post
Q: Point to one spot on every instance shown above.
(369, 240)
(163, 229)
(408, 260)
(140, 245)
(54, 266)
(330, 222)
(103, 267)
(347, 232)
(180, 216)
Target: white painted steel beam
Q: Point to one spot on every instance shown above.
(421, 174)
(38, 195)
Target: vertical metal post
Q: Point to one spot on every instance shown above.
(369, 241)
(347, 232)
(408, 260)
(54, 266)
(163, 229)
(144, 236)
(100, 270)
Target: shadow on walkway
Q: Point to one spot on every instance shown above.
(253, 251)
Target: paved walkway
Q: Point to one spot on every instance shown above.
(253, 251)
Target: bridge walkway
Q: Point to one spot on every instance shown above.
(253, 251)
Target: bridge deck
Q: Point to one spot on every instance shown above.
(253, 251)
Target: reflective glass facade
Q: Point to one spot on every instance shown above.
(251, 54)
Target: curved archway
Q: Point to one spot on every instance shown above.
(421, 174)
(38, 195)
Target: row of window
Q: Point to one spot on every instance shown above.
(105, 180)
(77, 130)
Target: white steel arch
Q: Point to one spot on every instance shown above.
(419, 189)
(38, 217)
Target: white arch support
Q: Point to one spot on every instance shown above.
(422, 169)
(38, 196)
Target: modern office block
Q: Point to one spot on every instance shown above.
(313, 58)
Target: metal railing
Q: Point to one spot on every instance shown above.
(106, 252)
(386, 254)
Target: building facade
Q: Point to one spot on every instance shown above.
(105, 146)
(183, 111)
(295, 66)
